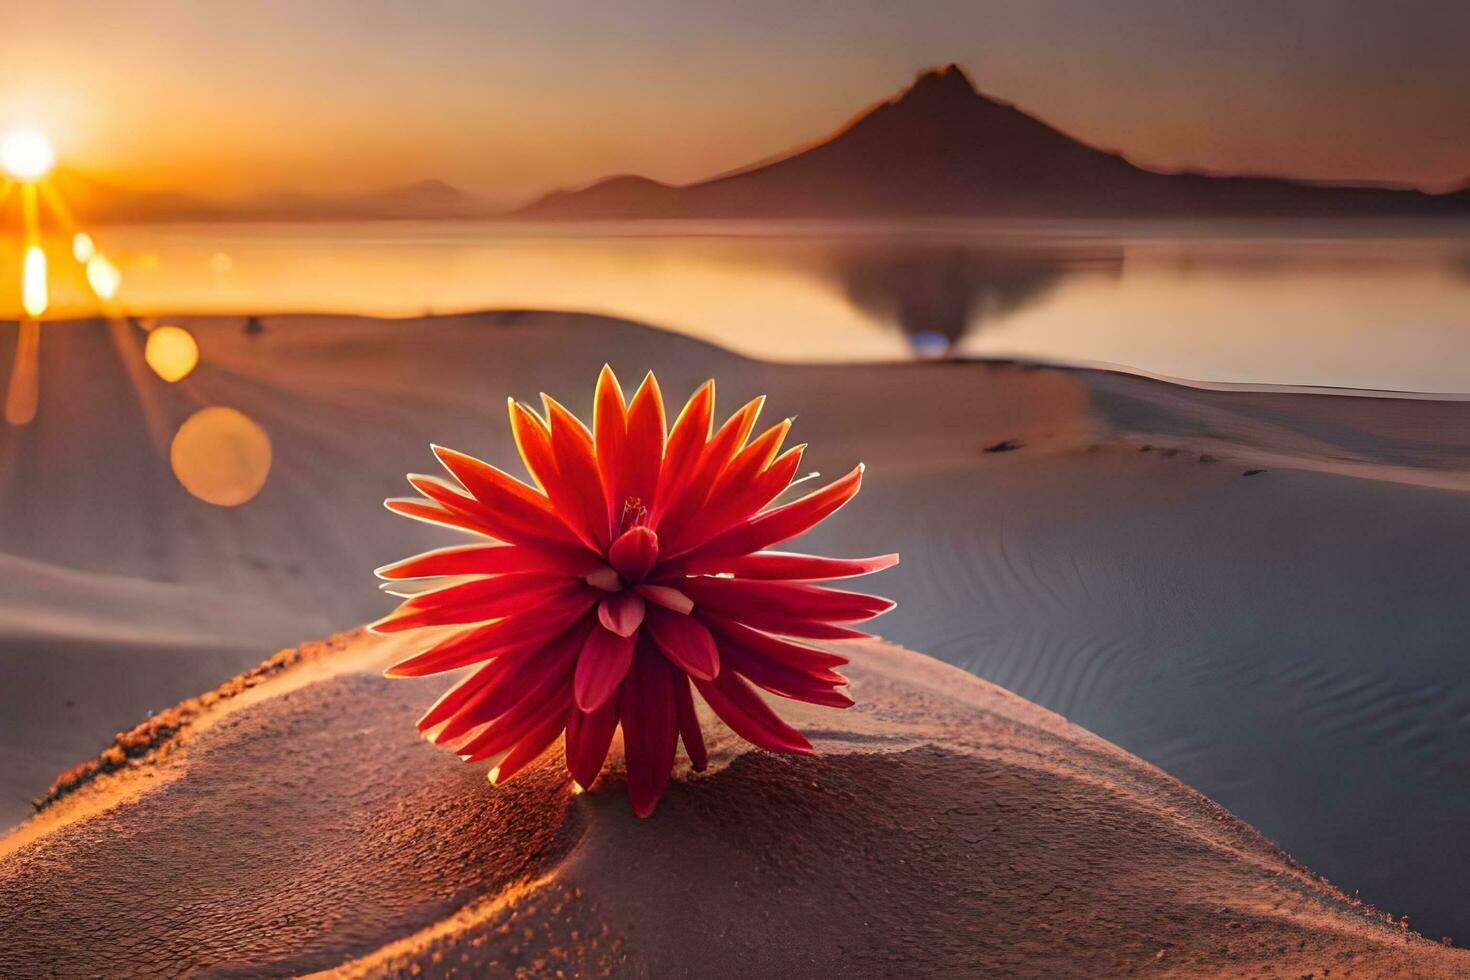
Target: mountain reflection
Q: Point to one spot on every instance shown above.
(939, 293)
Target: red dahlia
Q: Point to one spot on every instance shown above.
(635, 567)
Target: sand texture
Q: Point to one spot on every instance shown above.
(945, 828)
(1261, 593)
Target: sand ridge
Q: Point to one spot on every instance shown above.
(945, 828)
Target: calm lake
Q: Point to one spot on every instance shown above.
(1380, 306)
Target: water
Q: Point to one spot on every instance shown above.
(1382, 306)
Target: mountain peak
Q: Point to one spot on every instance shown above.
(947, 81)
(942, 147)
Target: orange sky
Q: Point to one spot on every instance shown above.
(509, 99)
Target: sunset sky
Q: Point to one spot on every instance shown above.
(510, 99)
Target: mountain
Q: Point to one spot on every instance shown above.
(97, 202)
(421, 199)
(942, 148)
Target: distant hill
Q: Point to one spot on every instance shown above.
(97, 202)
(942, 148)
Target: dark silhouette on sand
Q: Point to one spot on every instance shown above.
(941, 148)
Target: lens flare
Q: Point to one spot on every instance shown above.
(103, 276)
(221, 456)
(26, 155)
(82, 247)
(33, 294)
(171, 352)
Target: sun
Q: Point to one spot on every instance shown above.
(26, 155)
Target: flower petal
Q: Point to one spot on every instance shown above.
(634, 553)
(676, 510)
(610, 436)
(588, 739)
(529, 674)
(690, 432)
(533, 441)
(496, 639)
(787, 565)
(622, 612)
(650, 727)
(475, 602)
(666, 596)
(453, 699)
(773, 648)
(517, 723)
(605, 579)
(502, 524)
(726, 502)
(534, 438)
(740, 505)
(748, 715)
(644, 451)
(783, 522)
(601, 667)
(432, 513)
(491, 559)
(523, 511)
(689, 732)
(736, 597)
(773, 621)
(685, 641)
(528, 749)
(786, 680)
(577, 473)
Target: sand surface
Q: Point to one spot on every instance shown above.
(945, 828)
(1290, 643)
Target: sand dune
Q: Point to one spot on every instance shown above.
(946, 828)
(92, 648)
(1290, 643)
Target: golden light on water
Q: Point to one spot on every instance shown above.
(221, 456)
(26, 155)
(82, 247)
(34, 297)
(103, 276)
(171, 352)
(22, 394)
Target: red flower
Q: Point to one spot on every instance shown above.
(636, 568)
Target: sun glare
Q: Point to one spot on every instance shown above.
(171, 352)
(82, 247)
(221, 456)
(26, 155)
(103, 276)
(33, 293)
